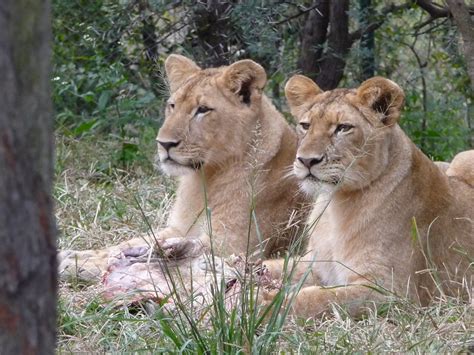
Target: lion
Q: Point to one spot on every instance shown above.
(386, 220)
(230, 149)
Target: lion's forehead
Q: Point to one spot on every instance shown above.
(333, 108)
(204, 82)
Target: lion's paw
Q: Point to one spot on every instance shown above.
(179, 248)
(87, 265)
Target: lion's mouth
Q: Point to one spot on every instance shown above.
(331, 180)
(195, 165)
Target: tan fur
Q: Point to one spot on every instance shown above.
(373, 189)
(244, 148)
(442, 165)
(462, 167)
(232, 157)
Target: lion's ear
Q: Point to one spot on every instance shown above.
(178, 69)
(244, 78)
(300, 92)
(383, 96)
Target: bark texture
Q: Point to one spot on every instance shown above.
(27, 228)
(367, 41)
(326, 26)
(326, 40)
(313, 37)
(465, 24)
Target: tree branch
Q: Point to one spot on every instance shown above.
(430, 29)
(436, 10)
(302, 12)
(357, 34)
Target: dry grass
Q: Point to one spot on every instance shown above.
(98, 206)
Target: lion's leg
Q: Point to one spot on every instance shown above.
(293, 268)
(182, 247)
(316, 301)
(90, 265)
(183, 236)
(83, 265)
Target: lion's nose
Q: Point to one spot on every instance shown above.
(169, 145)
(310, 162)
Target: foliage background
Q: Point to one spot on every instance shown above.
(108, 91)
(108, 58)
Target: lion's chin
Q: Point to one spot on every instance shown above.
(171, 168)
(313, 186)
(309, 187)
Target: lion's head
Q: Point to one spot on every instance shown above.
(344, 133)
(210, 113)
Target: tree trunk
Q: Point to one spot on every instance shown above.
(27, 228)
(333, 64)
(326, 41)
(367, 41)
(465, 24)
(326, 68)
(313, 37)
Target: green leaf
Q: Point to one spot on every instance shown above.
(84, 127)
(103, 100)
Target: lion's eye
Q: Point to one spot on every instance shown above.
(304, 125)
(202, 109)
(343, 128)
